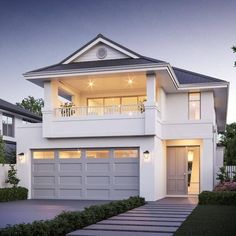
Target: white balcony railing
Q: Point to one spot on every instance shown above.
(98, 110)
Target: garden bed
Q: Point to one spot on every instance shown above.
(13, 194)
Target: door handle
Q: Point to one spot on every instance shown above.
(185, 174)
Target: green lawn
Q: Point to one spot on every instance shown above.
(210, 220)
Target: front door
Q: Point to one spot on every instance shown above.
(177, 178)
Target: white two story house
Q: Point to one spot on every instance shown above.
(118, 124)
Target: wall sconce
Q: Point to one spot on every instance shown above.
(21, 157)
(146, 155)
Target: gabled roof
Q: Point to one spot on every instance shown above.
(96, 64)
(7, 106)
(67, 65)
(97, 39)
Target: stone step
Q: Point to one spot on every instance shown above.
(144, 218)
(115, 233)
(140, 228)
(139, 222)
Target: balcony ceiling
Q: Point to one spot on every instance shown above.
(121, 81)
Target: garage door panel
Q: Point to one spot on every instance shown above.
(98, 180)
(44, 193)
(44, 180)
(70, 193)
(85, 178)
(70, 167)
(44, 167)
(70, 180)
(98, 193)
(127, 167)
(98, 167)
(126, 180)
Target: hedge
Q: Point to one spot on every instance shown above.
(217, 198)
(68, 222)
(13, 194)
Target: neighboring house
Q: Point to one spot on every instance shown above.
(10, 117)
(117, 124)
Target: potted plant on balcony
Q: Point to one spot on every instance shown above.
(67, 109)
(141, 106)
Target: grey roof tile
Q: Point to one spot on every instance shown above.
(7, 106)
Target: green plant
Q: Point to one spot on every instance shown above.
(223, 175)
(67, 222)
(234, 177)
(13, 194)
(32, 104)
(217, 198)
(2, 151)
(11, 177)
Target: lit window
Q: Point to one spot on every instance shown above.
(194, 106)
(43, 155)
(97, 154)
(126, 153)
(69, 154)
(7, 125)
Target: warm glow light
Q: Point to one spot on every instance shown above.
(190, 156)
(130, 81)
(91, 84)
(146, 155)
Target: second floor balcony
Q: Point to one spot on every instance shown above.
(71, 111)
(107, 105)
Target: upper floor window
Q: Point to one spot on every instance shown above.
(7, 125)
(194, 106)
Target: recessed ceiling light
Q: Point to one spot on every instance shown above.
(130, 81)
(91, 84)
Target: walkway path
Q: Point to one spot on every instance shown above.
(160, 218)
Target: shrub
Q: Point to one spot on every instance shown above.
(223, 175)
(217, 198)
(67, 222)
(12, 176)
(13, 194)
(225, 186)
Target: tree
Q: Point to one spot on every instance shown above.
(12, 178)
(228, 139)
(32, 104)
(234, 50)
(2, 151)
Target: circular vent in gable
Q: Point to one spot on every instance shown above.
(101, 53)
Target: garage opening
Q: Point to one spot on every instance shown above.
(104, 173)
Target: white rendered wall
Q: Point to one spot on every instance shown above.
(3, 175)
(31, 138)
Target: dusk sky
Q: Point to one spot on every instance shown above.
(190, 34)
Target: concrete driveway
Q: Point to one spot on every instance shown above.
(30, 210)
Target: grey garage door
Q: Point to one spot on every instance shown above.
(85, 173)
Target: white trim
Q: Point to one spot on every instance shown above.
(100, 40)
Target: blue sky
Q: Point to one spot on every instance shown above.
(194, 35)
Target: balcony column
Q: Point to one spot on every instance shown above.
(150, 106)
(151, 89)
(50, 95)
(50, 102)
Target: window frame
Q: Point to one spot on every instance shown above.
(13, 125)
(120, 97)
(200, 105)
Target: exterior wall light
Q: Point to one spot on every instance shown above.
(146, 155)
(21, 157)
